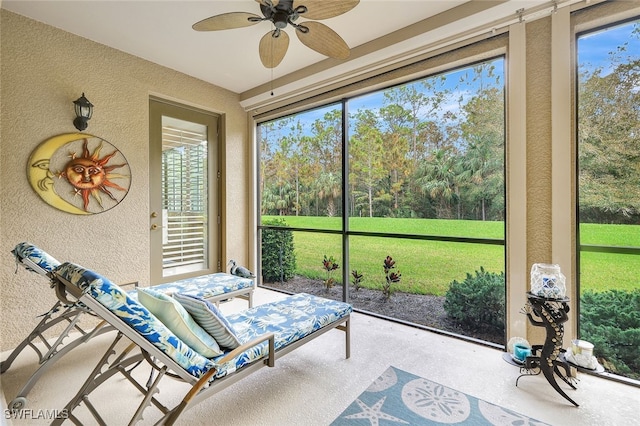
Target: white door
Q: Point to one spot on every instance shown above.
(183, 187)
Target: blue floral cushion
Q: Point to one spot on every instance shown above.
(38, 256)
(290, 319)
(136, 316)
(175, 316)
(206, 286)
(210, 319)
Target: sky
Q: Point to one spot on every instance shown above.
(594, 47)
(375, 100)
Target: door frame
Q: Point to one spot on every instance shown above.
(157, 108)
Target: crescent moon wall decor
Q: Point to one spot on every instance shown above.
(79, 173)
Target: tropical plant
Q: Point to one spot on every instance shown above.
(330, 265)
(390, 276)
(357, 279)
(329, 185)
(439, 178)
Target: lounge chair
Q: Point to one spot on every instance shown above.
(61, 313)
(261, 334)
(216, 287)
(213, 287)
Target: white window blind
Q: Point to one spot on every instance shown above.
(184, 197)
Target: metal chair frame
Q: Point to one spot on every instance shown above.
(142, 350)
(70, 312)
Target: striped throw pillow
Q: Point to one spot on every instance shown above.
(210, 319)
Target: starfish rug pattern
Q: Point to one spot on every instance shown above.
(401, 398)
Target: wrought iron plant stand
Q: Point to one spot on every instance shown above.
(548, 358)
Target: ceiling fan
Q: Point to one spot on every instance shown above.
(273, 45)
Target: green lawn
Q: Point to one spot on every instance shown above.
(610, 235)
(603, 271)
(427, 267)
(440, 227)
(606, 271)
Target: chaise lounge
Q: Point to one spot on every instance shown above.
(213, 287)
(248, 340)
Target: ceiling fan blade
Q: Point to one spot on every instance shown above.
(227, 21)
(266, 2)
(323, 40)
(323, 9)
(272, 49)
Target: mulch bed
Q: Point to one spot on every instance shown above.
(417, 309)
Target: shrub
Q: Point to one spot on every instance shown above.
(278, 256)
(611, 321)
(478, 301)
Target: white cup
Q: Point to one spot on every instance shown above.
(582, 347)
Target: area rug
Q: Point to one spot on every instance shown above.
(398, 397)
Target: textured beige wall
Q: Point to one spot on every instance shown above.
(539, 151)
(539, 141)
(43, 70)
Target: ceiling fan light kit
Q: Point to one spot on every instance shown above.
(282, 13)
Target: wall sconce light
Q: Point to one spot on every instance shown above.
(84, 110)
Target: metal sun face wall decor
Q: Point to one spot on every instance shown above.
(79, 173)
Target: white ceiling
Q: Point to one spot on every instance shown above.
(160, 31)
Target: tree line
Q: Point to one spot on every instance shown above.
(430, 149)
(609, 138)
(434, 148)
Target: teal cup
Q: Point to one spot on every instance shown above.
(521, 351)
